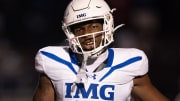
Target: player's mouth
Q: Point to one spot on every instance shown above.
(88, 45)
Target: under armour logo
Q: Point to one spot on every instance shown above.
(92, 76)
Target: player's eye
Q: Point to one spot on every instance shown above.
(96, 27)
(78, 31)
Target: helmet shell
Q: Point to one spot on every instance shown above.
(79, 11)
(83, 10)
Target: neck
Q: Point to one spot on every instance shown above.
(89, 58)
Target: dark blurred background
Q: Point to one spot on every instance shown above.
(28, 25)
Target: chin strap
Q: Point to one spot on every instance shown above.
(82, 75)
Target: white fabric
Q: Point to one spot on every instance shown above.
(109, 84)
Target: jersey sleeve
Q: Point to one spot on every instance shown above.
(143, 65)
(39, 62)
(135, 60)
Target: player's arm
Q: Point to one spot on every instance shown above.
(44, 90)
(145, 91)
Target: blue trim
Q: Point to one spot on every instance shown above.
(127, 62)
(73, 57)
(110, 57)
(58, 59)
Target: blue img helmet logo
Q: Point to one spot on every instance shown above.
(81, 15)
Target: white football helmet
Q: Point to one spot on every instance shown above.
(85, 10)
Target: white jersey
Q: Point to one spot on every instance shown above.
(113, 83)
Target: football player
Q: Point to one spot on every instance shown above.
(87, 69)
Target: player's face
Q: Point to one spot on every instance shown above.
(89, 41)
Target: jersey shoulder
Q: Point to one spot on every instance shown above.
(134, 60)
(51, 51)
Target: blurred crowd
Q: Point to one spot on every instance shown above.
(27, 25)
